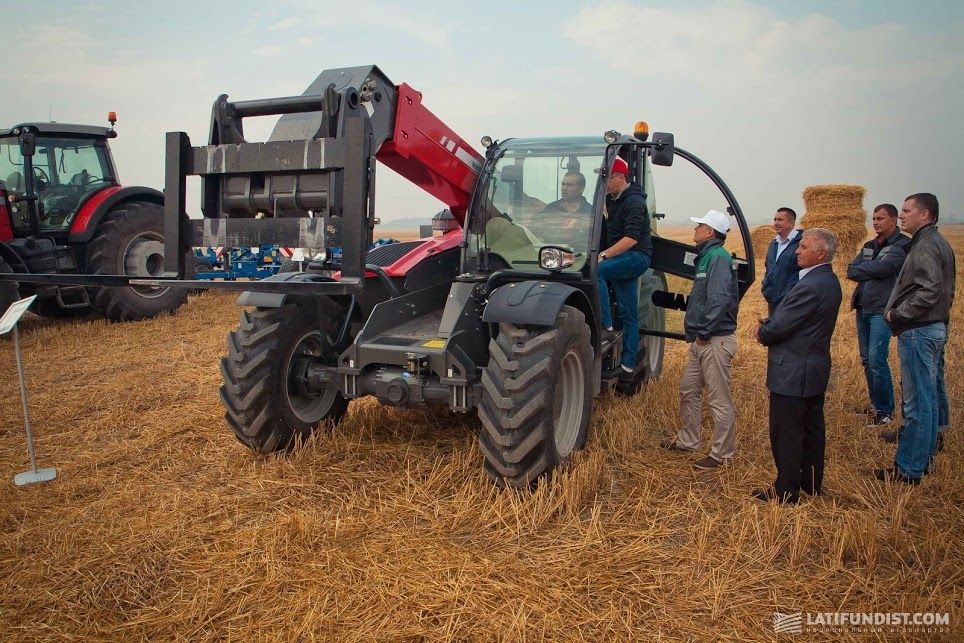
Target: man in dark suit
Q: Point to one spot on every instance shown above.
(781, 261)
(798, 369)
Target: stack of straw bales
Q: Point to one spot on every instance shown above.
(839, 208)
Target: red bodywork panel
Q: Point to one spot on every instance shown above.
(428, 153)
(6, 227)
(82, 220)
(431, 246)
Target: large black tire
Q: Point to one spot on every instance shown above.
(264, 393)
(536, 399)
(8, 289)
(130, 241)
(653, 317)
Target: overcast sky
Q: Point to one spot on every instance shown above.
(774, 95)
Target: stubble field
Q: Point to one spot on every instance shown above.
(160, 526)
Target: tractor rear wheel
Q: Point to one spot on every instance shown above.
(130, 241)
(267, 398)
(651, 317)
(8, 289)
(536, 399)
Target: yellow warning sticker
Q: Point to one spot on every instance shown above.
(434, 343)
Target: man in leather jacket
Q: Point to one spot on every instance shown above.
(917, 312)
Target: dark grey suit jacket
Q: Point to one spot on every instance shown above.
(798, 335)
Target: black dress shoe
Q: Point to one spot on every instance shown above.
(768, 494)
(891, 437)
(895, 475)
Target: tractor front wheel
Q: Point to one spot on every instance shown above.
(130, 241)
(536, 399)
(267, 398)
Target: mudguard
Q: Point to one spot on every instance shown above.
(277, 300)
(531, 302)
(97, 205)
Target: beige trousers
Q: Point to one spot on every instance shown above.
(709, 367)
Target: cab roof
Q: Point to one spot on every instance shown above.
(62, 129)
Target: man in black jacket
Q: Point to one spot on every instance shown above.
(798, 369)
(626, 254)
(918, 311)
(875, 270)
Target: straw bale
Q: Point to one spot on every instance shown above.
(760, 237)
(838, 208)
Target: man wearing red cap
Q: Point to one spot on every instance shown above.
(626, 253)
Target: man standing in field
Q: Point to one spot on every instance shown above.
(875, 270)
(918, 311)
(709, 326)
(798, 369)
(781, 262)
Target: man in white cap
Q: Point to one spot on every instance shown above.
(709, 326)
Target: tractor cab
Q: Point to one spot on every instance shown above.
(536, 193)
(56, 168)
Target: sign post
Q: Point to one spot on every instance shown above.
(9, 322)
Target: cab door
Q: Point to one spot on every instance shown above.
(679, 185)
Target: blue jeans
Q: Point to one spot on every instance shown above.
(943, 406)
(623, 272)
(920, 357)
(873, 340)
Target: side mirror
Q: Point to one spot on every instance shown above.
(663, 149)
(512, 174)
(28, 143)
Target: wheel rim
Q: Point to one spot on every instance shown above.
(144, 257)
(652, 344)
(306, 405)
(568, 404)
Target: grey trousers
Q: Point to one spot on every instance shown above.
(709, 367)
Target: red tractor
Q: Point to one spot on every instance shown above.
(64, 212)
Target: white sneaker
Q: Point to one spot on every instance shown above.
(880, 420)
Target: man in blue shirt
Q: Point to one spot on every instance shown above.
(781, 262)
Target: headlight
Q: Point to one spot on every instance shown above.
(556, 258)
